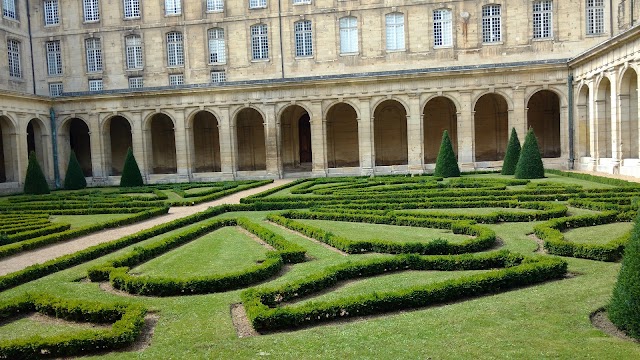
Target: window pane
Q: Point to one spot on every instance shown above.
(217, 52)
(259, 42)
(54, 58)
(51, 13)
(303, 38)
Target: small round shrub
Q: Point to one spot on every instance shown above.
(447, 163)
(35, 183)
(74, 178)
(530, 162)
(131, 172)
(512, 155)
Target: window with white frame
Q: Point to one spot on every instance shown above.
(259, 42)
(217, 51)
(9, 9)
(136, 82)
(491, 24)
(91, 10)
(94, 54)
(256, 4)
(133, 46)
(395, 31)
(51, 12)
(54, 58)
(95, 85)
(176, 79)
(175, 49)
(304, 38)
(348, 35)
(215, 5)
(218, 76)
(172, 7)
(13, 52)
(442, 28)
(55, 89)
(542, 19)
(299, 2)
(131, 9)
(595, 17)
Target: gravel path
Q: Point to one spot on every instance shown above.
(24, 259)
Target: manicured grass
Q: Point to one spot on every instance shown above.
(471, 211)
(84, 220)
(41, 326)
(600, 234)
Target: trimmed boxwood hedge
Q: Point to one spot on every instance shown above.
(267, 312)
(127, 320)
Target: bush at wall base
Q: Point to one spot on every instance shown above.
(530, 162)
(131, 172)
(35, 183)
(446, 164)
(512, 155)
(74, 178)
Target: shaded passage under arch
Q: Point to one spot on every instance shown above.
(163, 145)
(603, 119)
(252, 153)
(342, 137)
(80, 143)
(543, 115)
(295, 130)
(390, 134)
(206, 143)
(491, 128)
(36, 142)
(439, 115)
(8, 147)
(119, 142)
(629, 115)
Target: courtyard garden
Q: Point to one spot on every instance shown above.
(479, 266)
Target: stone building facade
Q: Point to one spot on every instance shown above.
(219, 89)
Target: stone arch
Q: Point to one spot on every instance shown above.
(390, 133)
(584, 126)
(342, 136)
(628, 105)
(250, 140)
(37, 141)
(603, 118)
(161, 144)
(76, 130)
(118, 139)
(205, 135)
(491, 123)
(8, 151)
(543, 116)
(350, 103)
(440, 114)
(295, 135)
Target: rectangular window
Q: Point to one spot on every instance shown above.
(131, 9)
(348, 35)
(304, 38)
(55, 89)
(175, 49)
(442, 28)
(133, 44)
(95, 85)
(176, 79)
(136, 82)
(298, 2)
(91, 10)
(13, 52)
(215, 5)
(259, 42)
(595, 17)
(172, 7)
(51, 12)
(94, 54)
(543, 19)
(491, 24)
(395, 31)
(256, 4)
(218, 76)
(217, 51)
(54, 58)
(9, 9)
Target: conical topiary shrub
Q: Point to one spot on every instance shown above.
(624, 309)
(74, 178)
(131, 172)
(530, 163)
(35, 182)
(512, 155)
(446, 164)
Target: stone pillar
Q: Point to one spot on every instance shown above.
(466, 132)
(147, 151)
(365, 138)
(616, 146)
(564, 132)
(593, 131)
(623, 122)
(182, 155)
(97, 159)
(271, 141)
(518, 117)
(22, 148)
(415, 135)
(318, 139)
(226, 131)
(138, 143)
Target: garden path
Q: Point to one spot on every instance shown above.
(28, 258)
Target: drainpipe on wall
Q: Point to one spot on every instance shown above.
(610, 17)
(54, 147)
(280, 27)
(571, 127)
(33, 71)
(632, 15)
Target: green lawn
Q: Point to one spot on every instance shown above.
(600, 234)
(41, 326)
(84, 220)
